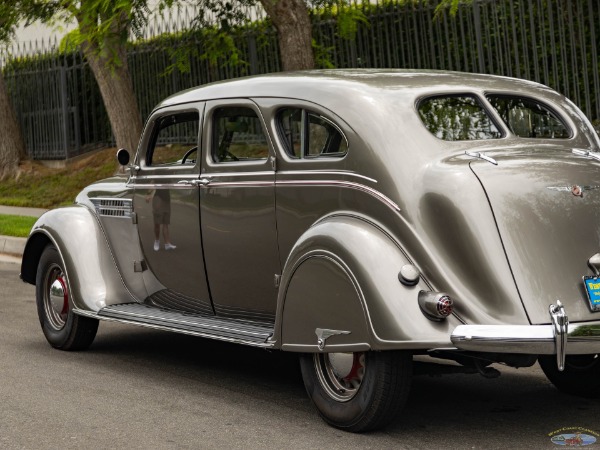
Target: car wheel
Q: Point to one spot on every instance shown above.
(63, 329)
(580, 376)
(357, 391)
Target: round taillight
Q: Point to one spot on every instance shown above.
(435, 305)
(445, 305)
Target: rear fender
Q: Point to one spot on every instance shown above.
(91, 270)
(342, 275)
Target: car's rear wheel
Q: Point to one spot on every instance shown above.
(580, 376)
(358, 391)
(63, 329)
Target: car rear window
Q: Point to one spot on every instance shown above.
(457, 118)
(529, 118)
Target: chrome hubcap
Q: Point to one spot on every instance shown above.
(56, 298)
(340, 374)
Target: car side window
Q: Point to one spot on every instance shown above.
(174, 140)
(457, 118)
(306, 134)
(528, 118)
(238, 135)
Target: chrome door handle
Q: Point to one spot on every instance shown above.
(200, 182)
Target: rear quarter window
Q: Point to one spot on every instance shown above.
(457, 118)
(306, 134)
(529, 118)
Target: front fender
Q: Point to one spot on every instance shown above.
(91, 270)
(342, 275)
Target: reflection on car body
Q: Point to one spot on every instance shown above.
(357, 217)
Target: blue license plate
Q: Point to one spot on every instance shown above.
(592, 287)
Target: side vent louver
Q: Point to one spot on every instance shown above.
(111, 207)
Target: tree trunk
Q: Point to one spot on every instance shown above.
(121, 105)
(12, 147)
(294, 32)
(110, 68)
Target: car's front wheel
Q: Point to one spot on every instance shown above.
(359, 391)
(63, 329)
(580, 376)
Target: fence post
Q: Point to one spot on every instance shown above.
(64, 110)
(252, 54)
(478, 36)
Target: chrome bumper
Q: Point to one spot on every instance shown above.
(560, 338)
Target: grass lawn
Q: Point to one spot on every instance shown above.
(18, 226)
(38, 186)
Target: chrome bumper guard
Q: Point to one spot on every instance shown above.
(560, 338)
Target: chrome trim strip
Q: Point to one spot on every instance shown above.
(266, 344)
(167, 176)
(260, 173)
(174, 185)
(348, 184)
(227, 184)
(219, 327)
(325, 172)
(215, 183)
(583, 338)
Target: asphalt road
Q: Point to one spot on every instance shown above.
(139, 388)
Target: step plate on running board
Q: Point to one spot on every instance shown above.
(237, 331)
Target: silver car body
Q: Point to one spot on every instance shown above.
(304, 254)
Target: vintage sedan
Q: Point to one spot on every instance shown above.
(362, 218)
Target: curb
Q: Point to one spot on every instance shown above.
(12, 246)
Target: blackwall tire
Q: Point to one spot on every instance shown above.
(580, 376)
(365, 397)
(63, 329)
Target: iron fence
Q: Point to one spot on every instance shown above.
(554, 42)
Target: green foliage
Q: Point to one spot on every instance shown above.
(70, 42)
(348, 20)
(322, 55)
(17, 226)
(226, 14)
(220, 45)
(9, 18)
(449, 5)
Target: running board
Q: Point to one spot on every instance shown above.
(237, 331)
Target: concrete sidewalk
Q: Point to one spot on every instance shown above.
(19, 211)
(11, 248)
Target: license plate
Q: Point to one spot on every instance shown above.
(592, 287)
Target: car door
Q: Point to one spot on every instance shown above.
(237, 206)
(166, 204)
